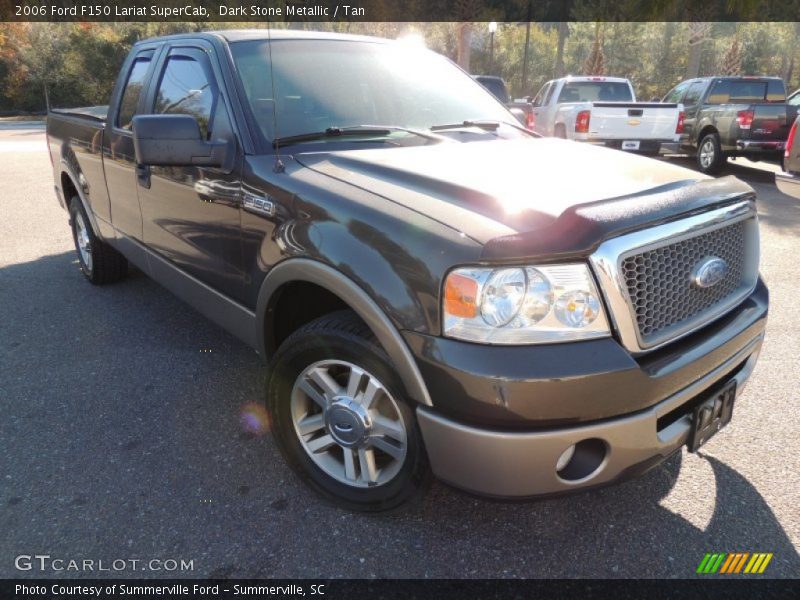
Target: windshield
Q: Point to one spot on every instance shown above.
(321, 84)
(595, 91)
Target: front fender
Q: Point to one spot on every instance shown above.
(312, 271)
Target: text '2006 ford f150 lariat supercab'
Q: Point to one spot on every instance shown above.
(433, 287)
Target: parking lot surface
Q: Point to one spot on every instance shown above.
(121, 439)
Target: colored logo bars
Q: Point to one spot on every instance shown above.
(734, 563)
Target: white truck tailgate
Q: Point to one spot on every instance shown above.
(633, 121)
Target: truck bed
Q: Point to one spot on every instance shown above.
(97, 113)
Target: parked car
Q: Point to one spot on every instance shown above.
(521, 109)
(435, 292)
(603, 110)
(732, 116)
(789, 180)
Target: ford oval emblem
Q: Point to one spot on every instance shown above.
(709, 272)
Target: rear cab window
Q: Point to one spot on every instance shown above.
(129, 100)
(747, 91)
(595, 91)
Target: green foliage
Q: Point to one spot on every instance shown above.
(79, 61)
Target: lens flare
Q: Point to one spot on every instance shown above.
(254, 419)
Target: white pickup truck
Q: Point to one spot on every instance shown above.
(603, 110)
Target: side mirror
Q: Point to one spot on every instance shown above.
(175, 141)
(519, 114)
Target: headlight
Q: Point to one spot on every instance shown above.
(523, 305)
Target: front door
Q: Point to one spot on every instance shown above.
(191, 214)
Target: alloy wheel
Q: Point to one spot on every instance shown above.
(348, 423)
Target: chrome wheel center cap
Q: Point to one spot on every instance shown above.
(348, 422)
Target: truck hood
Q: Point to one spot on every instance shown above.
(527, 192)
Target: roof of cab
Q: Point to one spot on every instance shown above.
(236, 35)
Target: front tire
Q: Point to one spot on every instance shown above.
(99, 262)
(710, 158)
(341, 419)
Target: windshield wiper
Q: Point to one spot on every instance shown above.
(486, 125)
(356, 130)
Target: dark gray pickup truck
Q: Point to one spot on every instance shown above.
(435, 289)
(733, 116)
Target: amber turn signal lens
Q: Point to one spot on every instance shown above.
(460, 296)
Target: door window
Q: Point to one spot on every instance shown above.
(549, 95)
(537, 101)
(675, 95)
(186, 89)
(129, 100)
(694, 93)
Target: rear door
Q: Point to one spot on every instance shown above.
(119, 161)
(691, 110)
(191, 214)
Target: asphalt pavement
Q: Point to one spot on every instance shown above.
(120, 439)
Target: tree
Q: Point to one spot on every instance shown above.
(595, 62)
(732, 61)
(563, 32)
(467, 10)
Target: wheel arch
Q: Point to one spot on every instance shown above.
(352, 296)
(70, 188)
(704, 131)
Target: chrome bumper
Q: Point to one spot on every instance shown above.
(511, 464)
(764, 145)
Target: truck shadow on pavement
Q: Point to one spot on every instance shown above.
(122, 431)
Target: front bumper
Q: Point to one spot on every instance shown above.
(503, 416)
(511, 464)
(788, 183)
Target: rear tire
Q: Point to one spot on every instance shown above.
(560, 131)
(341, 419)
(710, 158)
(99, 262)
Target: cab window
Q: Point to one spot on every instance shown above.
(675, 95)
(129, 101)
(186, 89)
(694, 93)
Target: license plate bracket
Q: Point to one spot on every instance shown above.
(711, 415)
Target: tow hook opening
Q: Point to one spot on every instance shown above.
(582, 460)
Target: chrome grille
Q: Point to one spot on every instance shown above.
(646, 275)
(659, 281)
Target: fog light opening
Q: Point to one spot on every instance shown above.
(582, 460)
